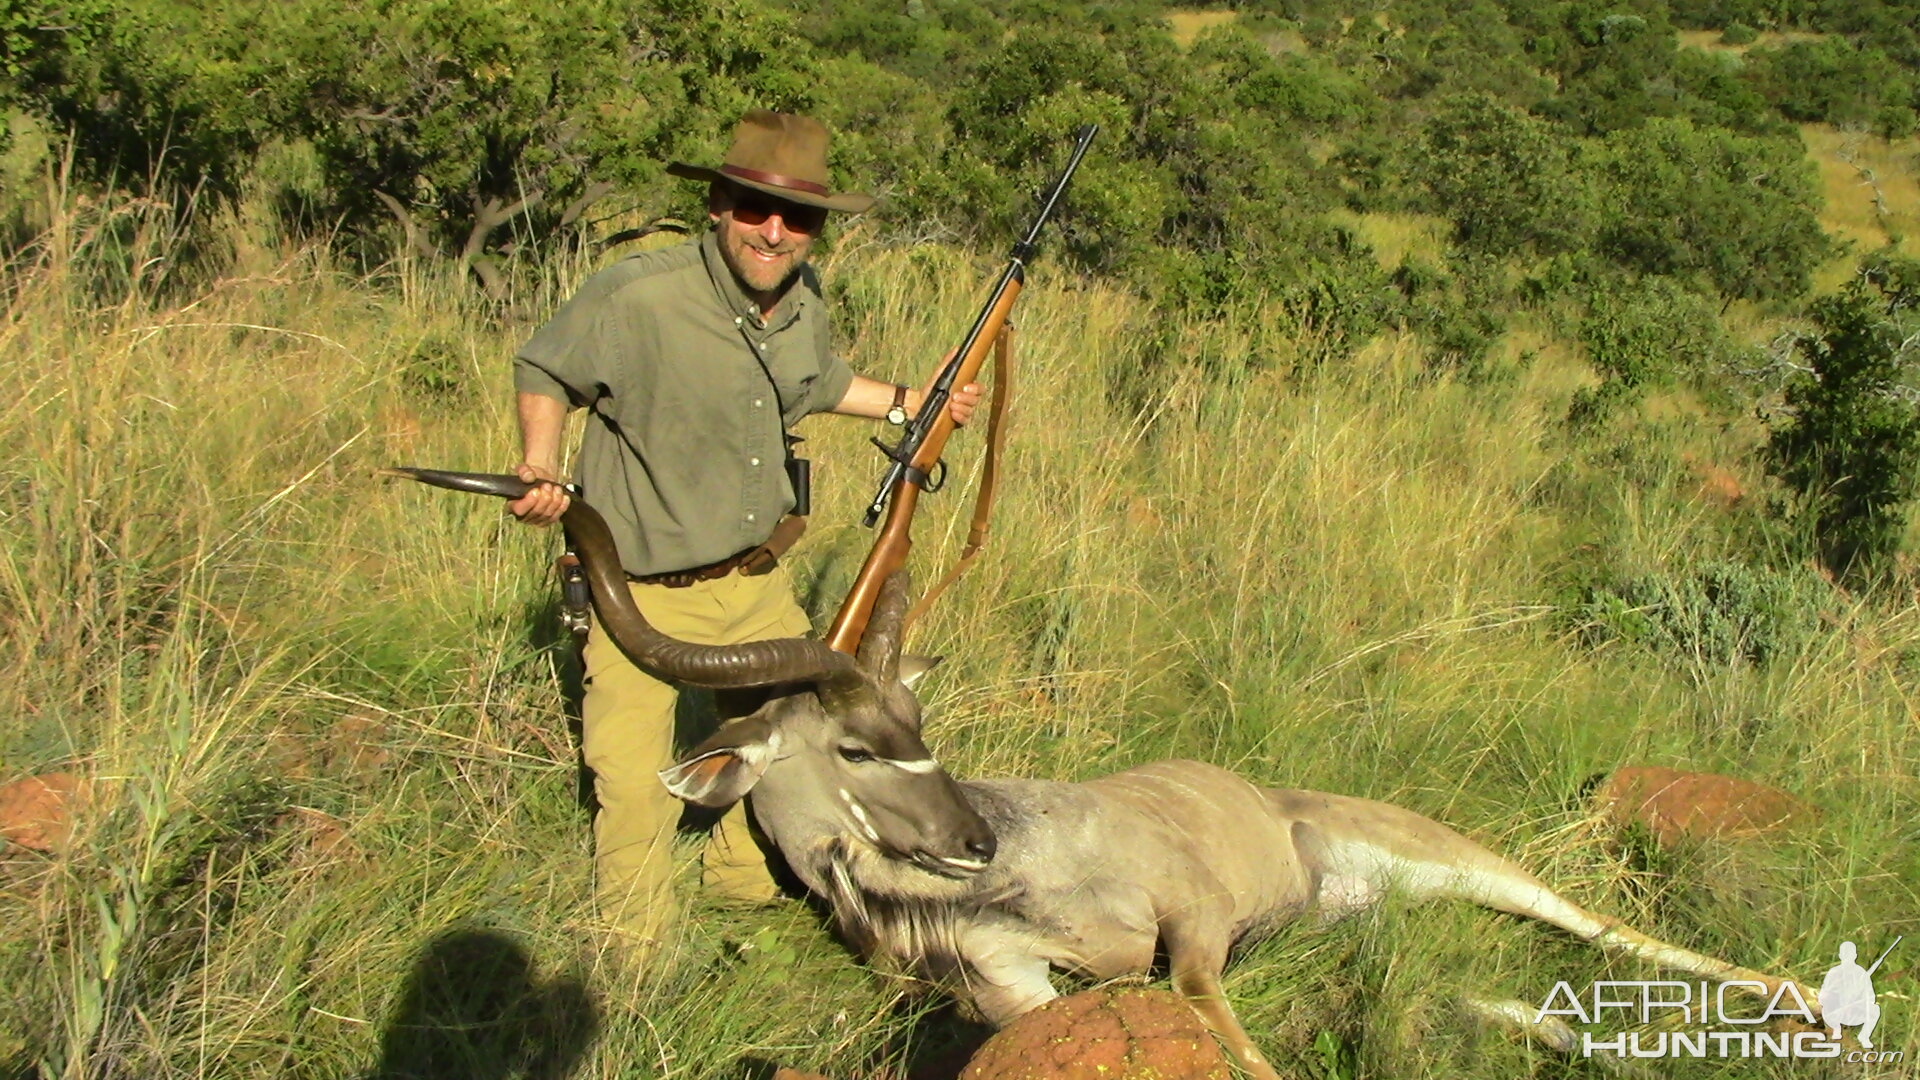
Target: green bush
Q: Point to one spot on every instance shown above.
(1646, 332)
(1735, 213)
(1739, 34)
(1829, 81)
(1850, 451)
(1508, 180)
(1896, 122)
(1706, 616)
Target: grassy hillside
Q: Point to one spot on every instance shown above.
(334, 824)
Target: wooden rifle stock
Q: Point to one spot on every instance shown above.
(890, 548)
(920, 448)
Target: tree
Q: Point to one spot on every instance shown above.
(157, 97)
(480, 127)
(1828, 81)
(1507, 179)
(458, 118)
(1851, 451)
(1734, 212)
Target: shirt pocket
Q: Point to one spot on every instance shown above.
(792, 364)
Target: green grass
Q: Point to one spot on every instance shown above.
(335, 827)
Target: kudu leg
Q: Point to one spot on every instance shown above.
(1004, 987)
(1551, 1032)
(1504, 886)
(1398, 849)
(1197, 959)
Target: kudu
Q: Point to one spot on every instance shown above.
(985, 885)
(1095, 877)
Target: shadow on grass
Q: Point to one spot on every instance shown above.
(937, 1046)
(473, 1010)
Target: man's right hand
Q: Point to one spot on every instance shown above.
(545, 503)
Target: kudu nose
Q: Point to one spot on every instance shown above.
(982, 847)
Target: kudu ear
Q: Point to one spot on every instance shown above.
(723, 769)
(912, 667)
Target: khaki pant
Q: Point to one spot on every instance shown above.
(628, 719)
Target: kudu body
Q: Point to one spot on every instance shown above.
(1176, 857)
(986, 885)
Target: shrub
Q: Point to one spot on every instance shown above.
(1739, 34)
(1507, 179)
(1702, 617)
(1852, 446)
(1641, 335)
(1896, 122)
(1709, 206)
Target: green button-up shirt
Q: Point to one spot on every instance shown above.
(691, 395)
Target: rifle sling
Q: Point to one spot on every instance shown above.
(989, 472)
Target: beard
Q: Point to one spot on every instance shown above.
(760, 269)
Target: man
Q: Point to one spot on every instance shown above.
(693, 361)
(1847, 997)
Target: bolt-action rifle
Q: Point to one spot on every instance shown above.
(915, 462)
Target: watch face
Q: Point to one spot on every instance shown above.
(896, 415)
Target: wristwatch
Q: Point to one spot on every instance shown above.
(897, 414)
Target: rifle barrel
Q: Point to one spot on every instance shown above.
(1014, 276)
(1883, 956)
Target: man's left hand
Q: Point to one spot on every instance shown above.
(962, 402)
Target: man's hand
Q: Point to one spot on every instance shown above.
(962, 402)
(545, 503)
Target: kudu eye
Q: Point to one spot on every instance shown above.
(855, 754)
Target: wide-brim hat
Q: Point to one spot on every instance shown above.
(783, 155)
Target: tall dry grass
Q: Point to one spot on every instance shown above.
(334, 825)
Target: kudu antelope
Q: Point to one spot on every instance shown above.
(1097, 877)
(985, 885)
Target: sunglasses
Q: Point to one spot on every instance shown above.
(752, 208)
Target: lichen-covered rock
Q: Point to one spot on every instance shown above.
(1129, 1033)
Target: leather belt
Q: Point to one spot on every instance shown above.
(753, 562)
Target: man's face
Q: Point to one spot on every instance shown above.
(765, 240)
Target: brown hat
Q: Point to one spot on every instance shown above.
(783, 155)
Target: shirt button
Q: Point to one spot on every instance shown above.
(749, 517)
(753, 461)
(757, 402)
(763, 346)
(737, 320)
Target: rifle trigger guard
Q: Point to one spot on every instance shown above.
(929, 482)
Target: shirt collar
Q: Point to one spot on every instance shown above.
(736, 299)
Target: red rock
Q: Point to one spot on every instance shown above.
(1677, 806)
(36, 812)
(323, 838)
(1718, 485)
(1126, 1033)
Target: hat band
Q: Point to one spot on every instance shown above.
(774, 179)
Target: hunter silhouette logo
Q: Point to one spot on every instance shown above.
(1846, 994)
(1847, 1000)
